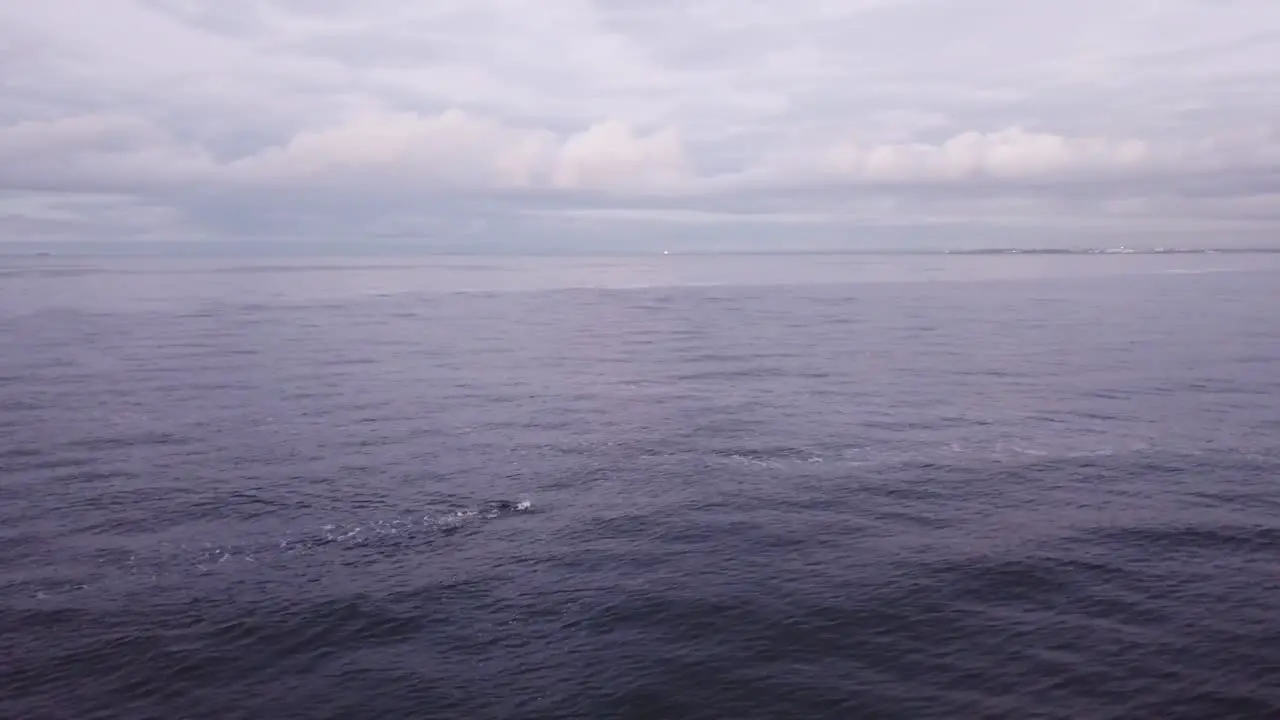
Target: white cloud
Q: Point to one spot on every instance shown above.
(611, 155)
(451, 148)
(1007, 155)
(1012, 153)
(457, 150)
(340, 114)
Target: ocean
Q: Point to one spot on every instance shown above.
(739, 486)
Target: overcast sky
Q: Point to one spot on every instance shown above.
(761, 121)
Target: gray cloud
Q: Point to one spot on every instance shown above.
(272, 118)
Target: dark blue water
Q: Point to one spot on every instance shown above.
(752, 487)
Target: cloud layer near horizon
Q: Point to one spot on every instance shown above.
(297, 118)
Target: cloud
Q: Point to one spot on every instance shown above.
(449, 149)
(456, 150)
(976, 159)
(1009, 154)
(612, 155)
(283, 117)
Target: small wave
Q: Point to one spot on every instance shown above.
(1197, 538)
(176, 560)
(771, 458)
(370, 531)
(1012, 450)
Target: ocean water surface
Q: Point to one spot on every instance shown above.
(661, 487)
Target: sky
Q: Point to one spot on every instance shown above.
(726, 123)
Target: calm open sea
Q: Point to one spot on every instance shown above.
(663, 487)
